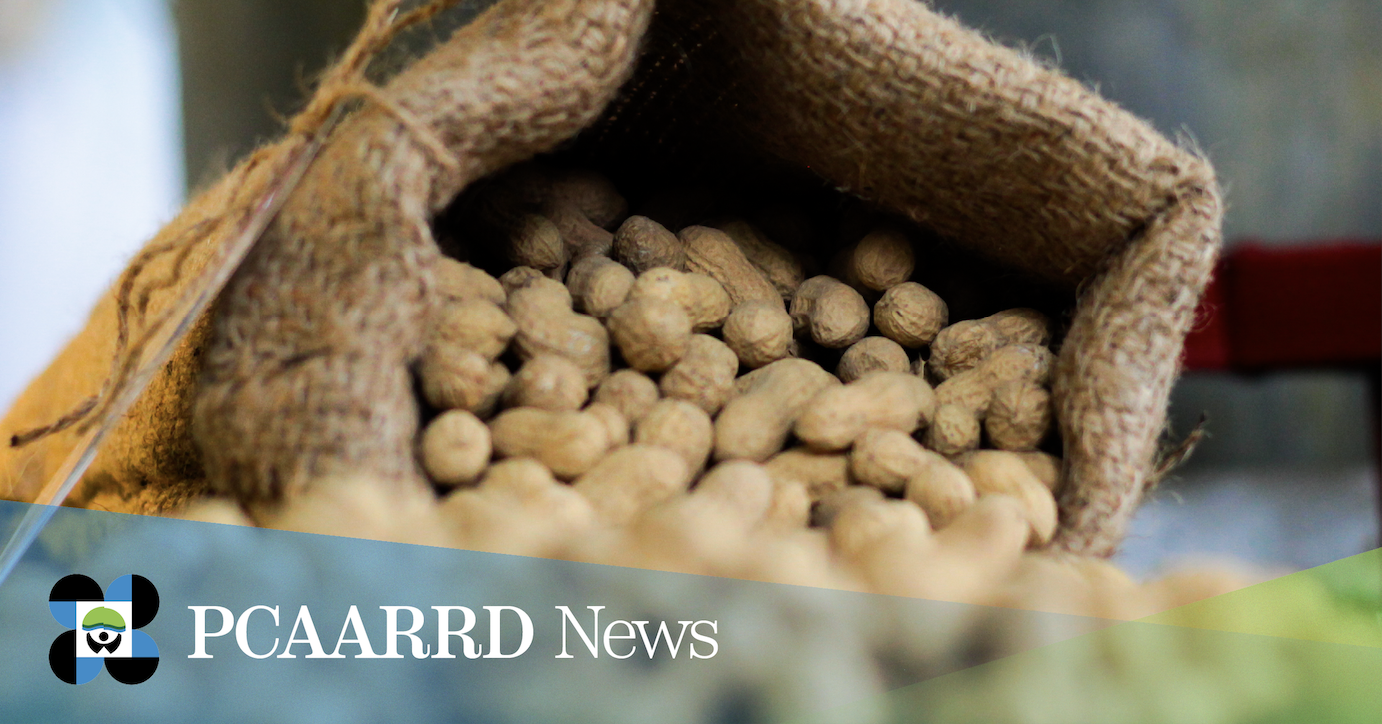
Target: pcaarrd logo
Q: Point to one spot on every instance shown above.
(103, 629)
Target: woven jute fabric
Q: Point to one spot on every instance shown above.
(304, 365)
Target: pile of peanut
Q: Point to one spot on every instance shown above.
(619, 365)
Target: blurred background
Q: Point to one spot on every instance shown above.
(110, 110)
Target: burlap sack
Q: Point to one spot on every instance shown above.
(303, 371)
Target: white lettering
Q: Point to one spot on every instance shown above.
(495, 617)
(199, 634)
(392, 634)
(361, 638)
(304, 622)
(567, 616)
(444, 633)
(609, 634)
(661, 633)
(242, 632)
(714, 645)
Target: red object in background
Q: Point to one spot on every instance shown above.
(1206, 347)
(1278, 308)
(1272, 308)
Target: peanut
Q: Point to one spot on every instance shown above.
(742, 491)
(824, 514)
(888, 400)
(518, 508)
(755, 424)
(869, 526)
(652, 334)
(911, 315)
(615, 424)
(707, 530)
(706, 302)
(547, 325)
(974, 389)
(455, 448)
(711, 252)
(778, 266)
(598, 285)
(533, 290)
(1003, 473)
(1020, 363)
(518, 477)
(819, 473)
(632, 479)
(458, 379)
(535, 241)
(568, 443)
(1020, 416)
(942, 489)
(1050, 583)
(872, 354)
(887, 459)
(495, 383)
(976, 551)
(475, 324)
(580, 235)
(790, 507)
(519, 277)
(547, 382)
(953, 431)
(549, 503)
(881, 260)
(630, 392)
(457, 281)
(832, 313)
(758, 332)
(1022, 326)
(704, 376)
(962, 346)
(678, 426)
(642, 244)
(971, 390)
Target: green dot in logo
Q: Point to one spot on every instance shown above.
(102, 617)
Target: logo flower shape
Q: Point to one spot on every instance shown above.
(110, 623)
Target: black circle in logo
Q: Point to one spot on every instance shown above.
(132, 671)
(60, 656)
